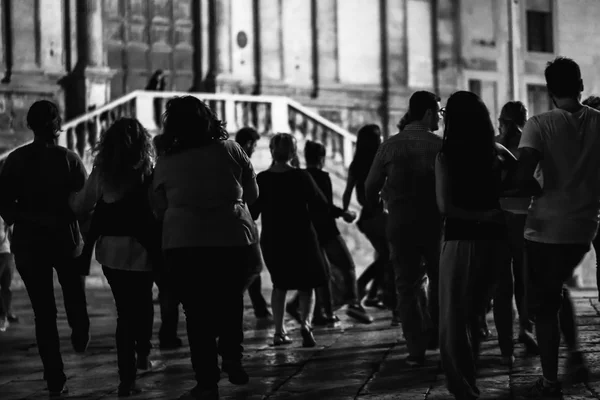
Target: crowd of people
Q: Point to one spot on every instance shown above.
(461, 223)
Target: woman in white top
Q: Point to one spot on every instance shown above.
(124, 230)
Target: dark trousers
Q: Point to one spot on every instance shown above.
(516, 226)
(338, 254)
(7, 267)
(416, 281)
(35, 268)
(597, 249)
(381, 267)
(216, 311)
(548, 267)
(470, 271)
(258, 301)
(132, 291)
(169, 300)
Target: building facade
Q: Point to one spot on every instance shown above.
(355, 61)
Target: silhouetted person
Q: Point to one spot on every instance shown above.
(511, 121)
(126, 238)
(168, 293)
(474, 255)
(247, 139)
(559, 147)
(288, 203)
(404, 163)
(203, 184)
(7, 269)
(157, 83)
(35, 184)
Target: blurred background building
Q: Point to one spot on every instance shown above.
(354, 61)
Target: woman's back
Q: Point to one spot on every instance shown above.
(203, 193)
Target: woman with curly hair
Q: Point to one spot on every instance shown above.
(202, 186)
(125, 235)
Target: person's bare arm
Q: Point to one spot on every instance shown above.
(375, 180)
(530, 154)
(347, 196)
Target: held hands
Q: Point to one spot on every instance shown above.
(349, 216)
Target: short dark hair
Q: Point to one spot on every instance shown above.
(43, 117)
(246, 135)
(313, 152)
(592, 101)
(563, 77)
(514, 111)
(419, 103)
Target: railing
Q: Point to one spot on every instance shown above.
(267, 114)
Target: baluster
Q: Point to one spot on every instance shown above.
(240, 117)
(260, 118)
(309, 129)
(280, 117)
(80, 138)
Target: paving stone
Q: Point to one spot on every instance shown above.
(351, 361)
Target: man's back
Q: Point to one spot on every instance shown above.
(408, 160)
(567, 210)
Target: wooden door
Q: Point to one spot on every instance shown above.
(143, 36)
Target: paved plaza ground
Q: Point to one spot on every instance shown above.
(351, 361)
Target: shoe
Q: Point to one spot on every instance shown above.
(59, 388)
(127, 389)
(281, 339)
(144, 364)
(376, 303)
(322, 320)
(531, 346)
(414, 361)
(308, 340)
(235, 371)
(4, 324)
(171, 343)
(396, 320)
(541, 390)
(292, 309)
(200, 393)
(12, 318)
(577, 370)
(485, 333)
(359, 313)
(80, 342)
(507, 361)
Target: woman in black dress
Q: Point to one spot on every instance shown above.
(288, 200)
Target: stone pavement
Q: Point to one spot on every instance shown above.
(352, 361)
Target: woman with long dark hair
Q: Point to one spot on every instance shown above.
(371, 222)
(203, 184)
(125, 235)
(474, 248)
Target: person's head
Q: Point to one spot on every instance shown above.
(247, 138)
(563, 79)
(368, 140)
(512, 117)
(156, 81)
(283, 148)
(314, 154)
(469, 136)
(43, 118)
(189, 123)
(124, 153)
(424, 107)
(592, 101)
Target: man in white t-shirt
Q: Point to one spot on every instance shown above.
(563, 216)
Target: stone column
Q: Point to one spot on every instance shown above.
(219, 41)
(88, 86)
